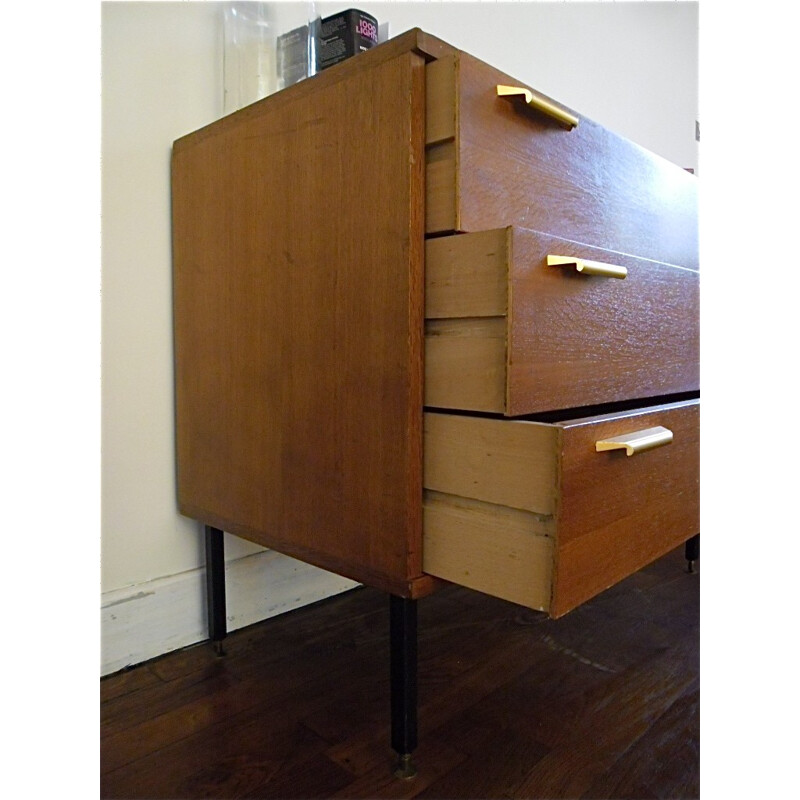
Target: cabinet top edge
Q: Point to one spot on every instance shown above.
(413, 41)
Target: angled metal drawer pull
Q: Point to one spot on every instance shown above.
(587, 267)
(536, 101)
(637, 442)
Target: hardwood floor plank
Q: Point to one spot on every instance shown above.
(256, 741)
(374, 768)
(127, 682)
(498, 760)
(439, 699)
(602, 703)
(303, 688)
(662, 763)
(312, 777)
(517, 705)
(590, 734)
(247, 675)
(126, 712)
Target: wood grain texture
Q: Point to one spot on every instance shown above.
(494, 549)
(571, 339)
(465, 363)
(440, 100)
(299, 332)
(577, 340)
(517, 167)
(298, 294)
(608, 514)
(498, 461)
(467, 276)
(618, 513)
(602, 703)
(412, 41)
(441, 175)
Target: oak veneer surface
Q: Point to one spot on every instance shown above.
(298, 250)
(513, 166)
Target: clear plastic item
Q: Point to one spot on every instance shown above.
(267, 47)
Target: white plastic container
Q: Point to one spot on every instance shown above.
(266, 47)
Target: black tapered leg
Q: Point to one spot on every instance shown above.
(692, 551)
(403, 636)
(215, 587)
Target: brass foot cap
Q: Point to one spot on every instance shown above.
(405, 768)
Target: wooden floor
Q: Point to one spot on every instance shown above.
(603, 703)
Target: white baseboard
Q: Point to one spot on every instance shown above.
(150, 619)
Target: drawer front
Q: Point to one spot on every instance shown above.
(493, 162)
(534, 513)
(618, 512)
(517, 323)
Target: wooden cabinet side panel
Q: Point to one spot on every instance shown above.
(298, 301)
(617, 512)
(518, 167)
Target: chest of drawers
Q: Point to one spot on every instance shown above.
(425, 332)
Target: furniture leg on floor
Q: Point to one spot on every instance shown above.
(403, 644)
(215, 587)
(692, 551)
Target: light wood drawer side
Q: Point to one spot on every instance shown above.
(467, 275)
(441, 147)
(497, 550)
(466, 318)
(497, 461)
(489, 506)
(440, 100)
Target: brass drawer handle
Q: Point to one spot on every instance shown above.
(557, 112)
(637, 442)
(588, 267)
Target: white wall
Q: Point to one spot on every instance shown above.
(161, 69)
(629, 66)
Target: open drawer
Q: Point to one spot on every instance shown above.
(519, 322)
(498, 160)
(547, 515)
